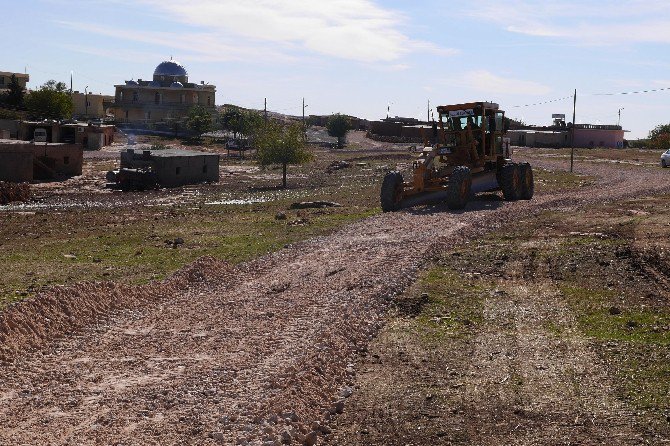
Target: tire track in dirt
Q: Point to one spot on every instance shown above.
(526, 385)
(254, 363)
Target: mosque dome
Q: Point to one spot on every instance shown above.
(170, 68)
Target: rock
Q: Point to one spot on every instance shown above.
(310, 439)
(315, 204)
(337, 165)
(178, 241)
(632, 324)
(339, 406)
(218, 436)
(280, 216)
(70, 256)
(286, 437)
(346, 392)
(615, 311)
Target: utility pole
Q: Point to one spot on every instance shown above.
(86, 100)
(619, 120)
(265, 110)
(428, 115)
(572, 142)
(304, 126)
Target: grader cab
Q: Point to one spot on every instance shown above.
(466, 153)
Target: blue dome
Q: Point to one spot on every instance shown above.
(154, 84)
(170, 68)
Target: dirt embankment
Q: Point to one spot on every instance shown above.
(263, 362)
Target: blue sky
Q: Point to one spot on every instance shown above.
(362, 56)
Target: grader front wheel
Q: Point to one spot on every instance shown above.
(391, 193)
(510, 182)
(460, 185)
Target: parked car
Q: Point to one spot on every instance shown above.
(665, 159)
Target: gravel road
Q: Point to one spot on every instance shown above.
(257, 354)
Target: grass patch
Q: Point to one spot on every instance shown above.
(453, 304)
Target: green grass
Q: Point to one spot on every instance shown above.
(453, 308)
(135, 250)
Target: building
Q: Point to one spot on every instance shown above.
(6, 78)
(21, 161)
(89, 136)
(586, 135)
(169, 96)
(89, 105)
(174, 167)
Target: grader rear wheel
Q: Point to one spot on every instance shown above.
(510, 181)
(460, 186)
(527, 182)
(391, 193)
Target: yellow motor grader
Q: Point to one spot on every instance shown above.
(466, 153)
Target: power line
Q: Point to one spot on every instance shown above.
(651, 90)
(541, 103)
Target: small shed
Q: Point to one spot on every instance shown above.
(174, 167)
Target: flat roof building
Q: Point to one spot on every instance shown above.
(6, 78)
(174, 167)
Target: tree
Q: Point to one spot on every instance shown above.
(15, 93)
(51, 101)
(278, 144)
(338, 125)
(240, 121)
(659, 137)
(231, 120)
(199, 120)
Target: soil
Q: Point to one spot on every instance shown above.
(269, 351)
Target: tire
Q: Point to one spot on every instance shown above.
(460, 188)
(527, 181)
(510, 181)
(391, 193)
(663, 164)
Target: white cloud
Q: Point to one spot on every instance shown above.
(358, 30)
(590, 23)
(487, 82)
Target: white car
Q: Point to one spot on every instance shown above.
(665, 159)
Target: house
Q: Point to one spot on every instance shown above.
(6, 78)
(90, 136)
(22, 161)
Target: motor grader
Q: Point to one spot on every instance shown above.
(466, 153)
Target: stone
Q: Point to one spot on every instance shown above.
(310, 439)
(280, 216)
(346, 392)
(614, 311)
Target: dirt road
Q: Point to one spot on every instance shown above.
(268, 349)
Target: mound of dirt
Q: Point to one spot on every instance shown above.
(61, 310)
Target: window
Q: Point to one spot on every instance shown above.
(178, 170)
(121, 97)
(157, 98)
(183, 98)
(126, 114)
(147, 115)
(195, 98)
(208, 100)
(136, 96)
